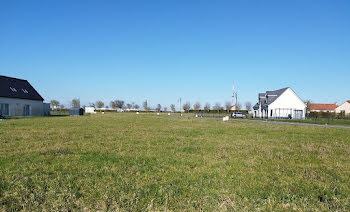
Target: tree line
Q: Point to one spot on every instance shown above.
(120, 104)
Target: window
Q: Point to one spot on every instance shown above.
(13, 89)
(271, 113)
(26, 110)
(24, 90)
(4, 109)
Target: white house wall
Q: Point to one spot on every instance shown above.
(344, 107)
(287, 100)
(16, 106)
(90, 110)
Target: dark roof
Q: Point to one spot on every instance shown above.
(18, 88)
(262, 95)
(76, 108)
(273, 95)
(256, 106)
(270, 96)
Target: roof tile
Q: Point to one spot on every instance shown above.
(327, 107)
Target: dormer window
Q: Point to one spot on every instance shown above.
(13, 89)
(24, 90)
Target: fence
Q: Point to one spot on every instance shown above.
(328, 118)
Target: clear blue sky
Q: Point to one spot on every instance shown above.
(166, 49)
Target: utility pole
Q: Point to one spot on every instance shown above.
(236, 100)
(180, 108)
(234, 95)
(233, 91)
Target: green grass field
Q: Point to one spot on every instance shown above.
(308, 120)
(132, 162)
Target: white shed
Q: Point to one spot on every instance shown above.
(90, 110)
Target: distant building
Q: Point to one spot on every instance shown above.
(233, 107)
(106, 109)
(344, 108)
(19, 98)
(90, 110)
(283, 103)
(76, 111)
(322, 107)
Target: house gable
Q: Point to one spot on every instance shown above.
(288, 99)
(344, 107)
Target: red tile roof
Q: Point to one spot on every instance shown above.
(327, 107)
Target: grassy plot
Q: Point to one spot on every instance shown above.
(142, 162)
(308, 120)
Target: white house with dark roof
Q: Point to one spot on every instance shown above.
(19, 98)
(279, 104)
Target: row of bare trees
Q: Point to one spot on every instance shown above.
(120, 104)
(207, 107)
(55, 104)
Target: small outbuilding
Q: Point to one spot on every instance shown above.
(90, 110)
(76, 111)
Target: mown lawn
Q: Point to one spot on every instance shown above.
(322, 121)
(132, 162)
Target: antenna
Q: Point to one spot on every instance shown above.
(234, 94)
(180, 106)
(233, 91)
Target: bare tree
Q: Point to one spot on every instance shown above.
(217, 106)
(75, 102)
(159, 107)
(119, 104)
(308, 103)
(172, 107)
(54, 104)
(228, 106)
(186, 107)
(129, 106)
(145, 106)
(113, 105)
(207, 107)
(238, 106)
(248, 106)
(100, 104)
(197, 106)
(136, 106)
(165, 108)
